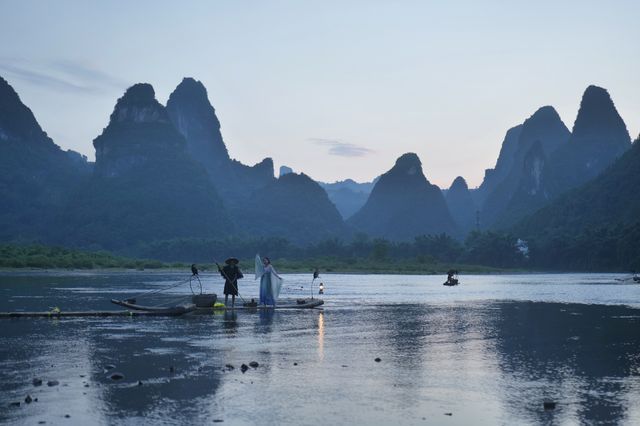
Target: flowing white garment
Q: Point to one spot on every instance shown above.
(268, 293)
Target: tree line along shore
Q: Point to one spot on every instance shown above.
(18, 257)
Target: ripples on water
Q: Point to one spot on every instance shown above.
(487, 352)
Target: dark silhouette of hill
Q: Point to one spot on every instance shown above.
(403, 204)
(294, 206)
(461, 205)
(544, 128)
(493, 177)
(36, 174)
(164, 174)
(348, 195)
(195, 118)
(596, 225)
(599, 136)
(609, 199)
(146, 186)
(284, 170)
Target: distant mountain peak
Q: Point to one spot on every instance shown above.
(546, 110)
(598, 120)
(409, 162)
(461, 204)
(139, 93)
(403, 204)
(284, 170)
(190, 84)
(191, 93)
(459, 184)
(139, 105)
(7, 93)
(195, 118)
(17, 121)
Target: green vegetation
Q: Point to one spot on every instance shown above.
(429, 254)
(37, 256)
(594, 227)
(422, 265)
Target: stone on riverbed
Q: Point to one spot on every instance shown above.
(53, 383)
(244, 368)
(37, 382)
(28, 399)
(116, 376)
(253, 364)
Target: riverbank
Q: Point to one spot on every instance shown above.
(13, 257)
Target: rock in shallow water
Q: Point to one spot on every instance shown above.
(253, 364)
(377, 360)
(28, 399)
(53, 383)
(244, 368)
(549, 405)
(37, 382)
(116, 376)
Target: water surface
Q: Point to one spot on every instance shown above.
(489, 351)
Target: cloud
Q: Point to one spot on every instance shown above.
(89, 74)
(62, 76)
(342, 149)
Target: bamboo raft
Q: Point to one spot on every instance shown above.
(68, 314)
(134, 310)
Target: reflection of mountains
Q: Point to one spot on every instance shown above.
(178, 380)
(581, 356)
(584, 357)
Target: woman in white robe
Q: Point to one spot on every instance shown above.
(270, 281)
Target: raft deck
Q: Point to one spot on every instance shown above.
(145, 311)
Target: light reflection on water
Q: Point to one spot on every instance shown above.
(487, 352)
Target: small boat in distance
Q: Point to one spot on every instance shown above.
(452, 278)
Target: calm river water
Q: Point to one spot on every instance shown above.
(489, 351)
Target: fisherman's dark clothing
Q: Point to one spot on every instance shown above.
(231, 275)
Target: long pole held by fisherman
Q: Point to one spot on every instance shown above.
(316, 274)
(233, 283)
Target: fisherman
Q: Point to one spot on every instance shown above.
(451, 280)
(231, 274)
(194, 270)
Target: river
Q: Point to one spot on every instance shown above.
(489, 351)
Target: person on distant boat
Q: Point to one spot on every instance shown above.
(451, 277)
(231, 274)
(270, 281)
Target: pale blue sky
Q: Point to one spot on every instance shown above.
(309, 82)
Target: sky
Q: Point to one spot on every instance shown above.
(334, 89)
